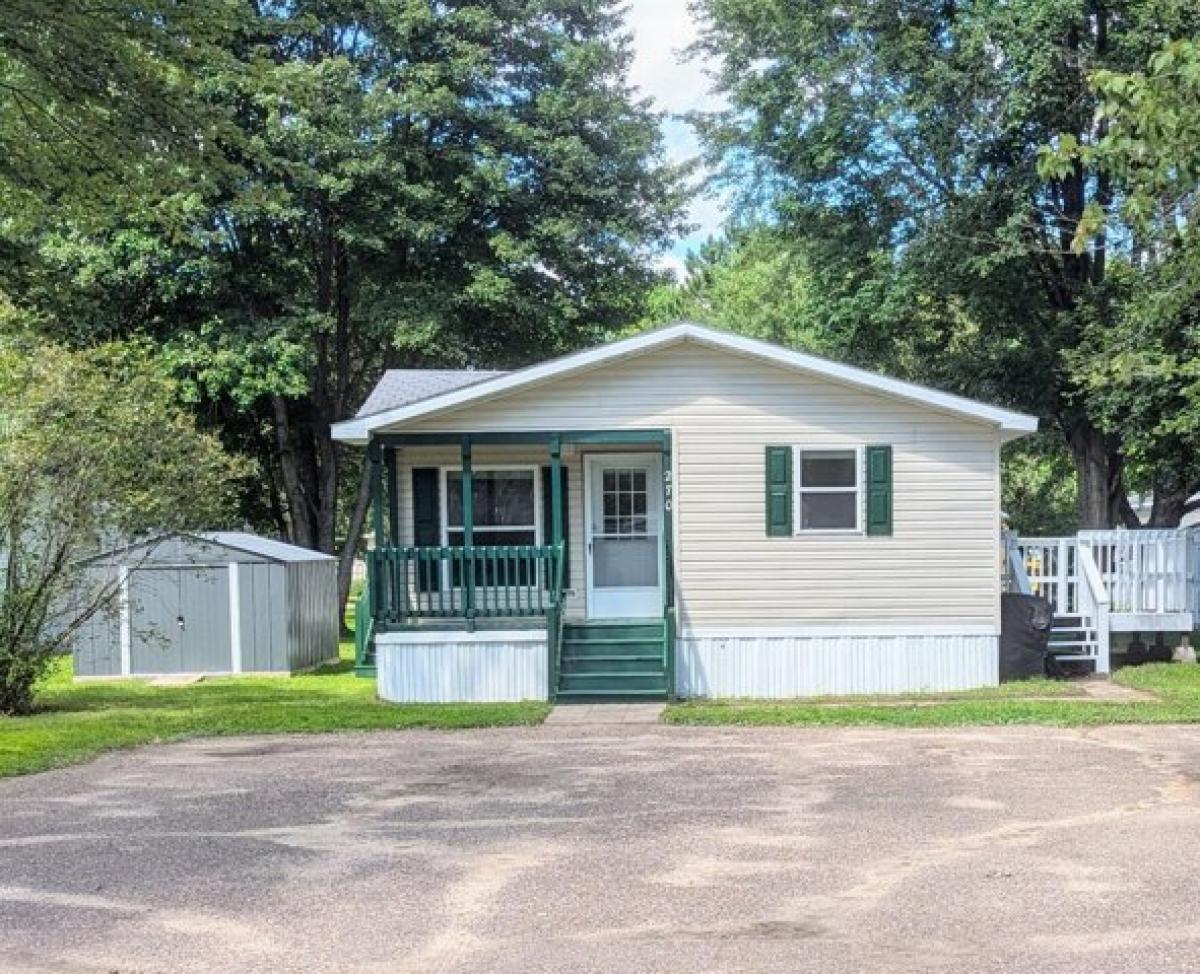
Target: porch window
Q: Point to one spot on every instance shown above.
(505, 507)
(827, 487)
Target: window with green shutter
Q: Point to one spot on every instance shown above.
(779, 491)
(879, 490)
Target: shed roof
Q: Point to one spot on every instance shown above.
(242, 541)
(402, 387)
(254, 545)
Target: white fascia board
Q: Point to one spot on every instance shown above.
(1010, 423)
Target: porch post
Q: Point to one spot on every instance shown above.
(468, 516)
(393, 495)
(374, 456)
(375, 587)
(668, 536)
(556, 505)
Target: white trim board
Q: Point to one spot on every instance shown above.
(235, 619)
(1010, 424)
(431, 637)
(849, 630)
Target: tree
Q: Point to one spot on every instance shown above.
(902, 139)
(93, 447)
(752, 280)
(1141, 375)
(412, 183)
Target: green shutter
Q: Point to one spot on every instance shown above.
(427, 526)
(548, 519)
(779, 491)
(879, 490)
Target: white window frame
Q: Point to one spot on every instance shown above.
(444, 500)
(799, 490)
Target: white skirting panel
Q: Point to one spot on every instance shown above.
(822, 664)
(461, 667)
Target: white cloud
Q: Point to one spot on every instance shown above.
(662, 30)
(671, 264)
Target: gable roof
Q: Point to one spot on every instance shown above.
(359, 430)
(401, 387)
(243, 541)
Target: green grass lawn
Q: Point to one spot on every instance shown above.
(1176, 686)
(77, 721)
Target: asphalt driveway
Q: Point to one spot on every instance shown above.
(615, 849)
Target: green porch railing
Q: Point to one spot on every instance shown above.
(414, 583)
(364, 631)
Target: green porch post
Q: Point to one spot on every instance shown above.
(393, 494)
(668, 565)
(556, 501)
(375, 587)
(468, 517)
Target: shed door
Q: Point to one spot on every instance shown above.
(179, 620)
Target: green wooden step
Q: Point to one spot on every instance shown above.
(644, 663)
(606, 632)
(613, 649)
(610, 696)
(613, 684)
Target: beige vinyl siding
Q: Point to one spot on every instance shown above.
(939, 569)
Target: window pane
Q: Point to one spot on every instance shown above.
(827, 468)
(503, 498)
(625, 562)
(485, 539)
(827, 511)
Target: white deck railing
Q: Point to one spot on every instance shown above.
(1143, 572)
(1094, 604)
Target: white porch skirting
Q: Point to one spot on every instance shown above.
(798, 665)
(462, 667)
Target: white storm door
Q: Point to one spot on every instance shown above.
(623, 526)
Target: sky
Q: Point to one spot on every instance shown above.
(661, 30)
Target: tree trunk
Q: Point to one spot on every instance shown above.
(1170, 499)
(358, 517)
(1098, 464)
(299, 513)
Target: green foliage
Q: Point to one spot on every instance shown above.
(400, 184)
(897, 144)
(752, 281)
(93, 448)
(1140, 374)
(75, 722)
(1038, 487)
(104, 105)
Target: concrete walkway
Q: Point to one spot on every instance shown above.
(606, 713)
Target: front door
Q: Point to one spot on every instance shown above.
(624, 520)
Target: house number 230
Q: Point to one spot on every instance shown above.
(668, 491)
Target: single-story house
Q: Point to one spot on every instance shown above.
(686, 512)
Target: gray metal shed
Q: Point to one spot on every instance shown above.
(217, 602)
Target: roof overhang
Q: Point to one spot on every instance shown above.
(1009, 424)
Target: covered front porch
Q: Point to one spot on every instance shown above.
(491, 548)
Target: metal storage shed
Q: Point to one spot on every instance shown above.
(218, 602)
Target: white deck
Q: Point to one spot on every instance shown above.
(1112, 582)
